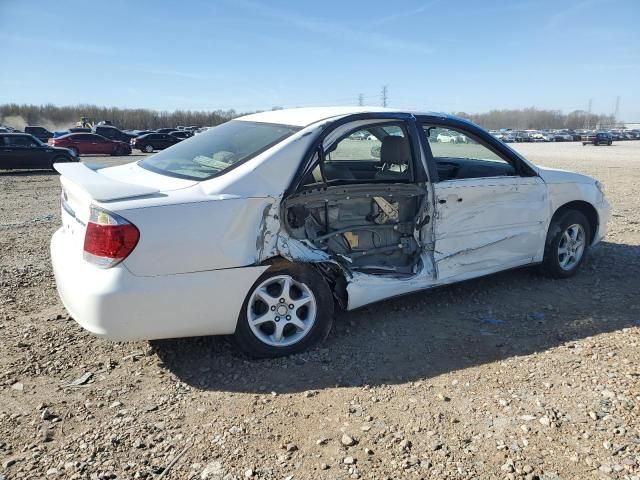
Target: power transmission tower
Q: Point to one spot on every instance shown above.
(616, 115)
(384, 95)
(587, 118)
(360, 99)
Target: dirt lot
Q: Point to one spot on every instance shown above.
(510, 376)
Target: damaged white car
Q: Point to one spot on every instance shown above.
(260, 227)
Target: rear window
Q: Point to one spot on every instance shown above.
(217, 150)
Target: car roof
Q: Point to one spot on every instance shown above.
(301, 117)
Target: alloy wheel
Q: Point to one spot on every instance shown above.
(571, 246)
(281, 311)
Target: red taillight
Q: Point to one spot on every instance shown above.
(109, 238)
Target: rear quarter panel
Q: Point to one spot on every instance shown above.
(197, 236)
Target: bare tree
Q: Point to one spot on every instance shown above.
(61, 118)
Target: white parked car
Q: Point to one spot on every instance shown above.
(260, 227)
(448, 137)
(536, 136)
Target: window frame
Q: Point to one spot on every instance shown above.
(475, 133)
(395, 123)
(313, 154)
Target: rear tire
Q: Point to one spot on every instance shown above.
(289, 309)
(147, 149)
(567, 244)
(74, 151)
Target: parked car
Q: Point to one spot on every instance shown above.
(557, 137)
(137, 133)
(522, 137)
(22, 150)
(575, 135)
(165, 130)
(182, 134)
(600, 138)
(40, 133)
(90, 143)
(564, 137)
(262, 226)
(154, 141)
(113, 133)
(78, 130)
(358, 136)
(451, 137)
(535, 136)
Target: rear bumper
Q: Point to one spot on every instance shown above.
(116, 304)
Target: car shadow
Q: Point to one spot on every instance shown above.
(425, 334)
(27, 173)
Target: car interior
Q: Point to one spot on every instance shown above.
(360, 204)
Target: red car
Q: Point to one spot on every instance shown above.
(90, 143)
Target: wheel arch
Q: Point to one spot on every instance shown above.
(335, 276)
(587, 209)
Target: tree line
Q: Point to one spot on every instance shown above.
(532, 118)
(60, 118)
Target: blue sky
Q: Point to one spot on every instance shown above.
(245, 54)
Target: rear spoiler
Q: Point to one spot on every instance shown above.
(99, 187)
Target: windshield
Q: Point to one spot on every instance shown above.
(218, 149)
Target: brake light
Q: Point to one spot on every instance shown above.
(109, 238)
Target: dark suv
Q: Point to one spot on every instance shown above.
(600, 138)
(21, 150)
(40, 133)
(113, 133)
(154, 141)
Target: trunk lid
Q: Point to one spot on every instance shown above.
(83, 185)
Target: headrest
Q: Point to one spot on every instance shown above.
(395, 150)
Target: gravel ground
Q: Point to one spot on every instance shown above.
(510, 376)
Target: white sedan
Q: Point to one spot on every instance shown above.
(262, 226)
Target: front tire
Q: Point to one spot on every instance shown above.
(567, 244)
(288, 310)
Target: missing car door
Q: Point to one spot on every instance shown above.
(361, 203)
